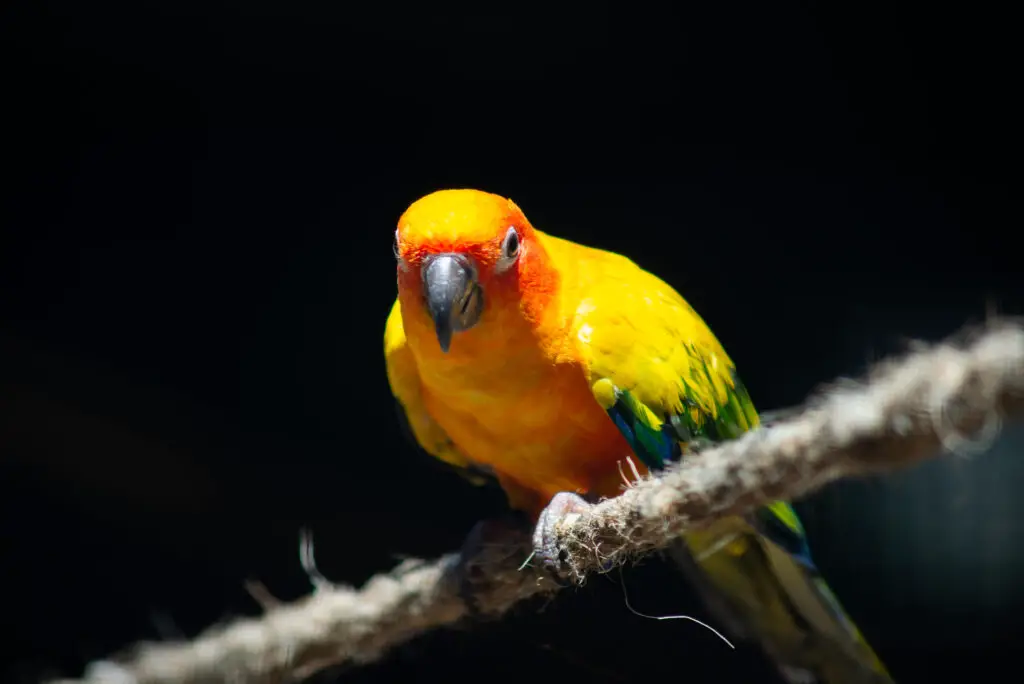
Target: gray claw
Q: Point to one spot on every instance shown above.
(545, 539)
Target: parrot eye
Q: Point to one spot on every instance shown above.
(394, 247)
(510, 246)
(509, 250)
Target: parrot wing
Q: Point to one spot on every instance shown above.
(668, 385)
(414, 418)
(710, 404)
(665, 380)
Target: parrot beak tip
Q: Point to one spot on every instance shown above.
(444, 339)
(452, 296)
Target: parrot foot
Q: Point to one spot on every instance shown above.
(545, 540)
(489, 542)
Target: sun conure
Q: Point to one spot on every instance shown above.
(545, 363)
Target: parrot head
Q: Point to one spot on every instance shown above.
(467, 259)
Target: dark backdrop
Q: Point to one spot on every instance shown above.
(197, 207)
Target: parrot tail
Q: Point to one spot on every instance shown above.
(761, 592)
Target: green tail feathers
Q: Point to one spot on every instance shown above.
(765, 594)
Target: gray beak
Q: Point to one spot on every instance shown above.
(454, 299)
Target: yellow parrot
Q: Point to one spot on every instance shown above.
(544, 363)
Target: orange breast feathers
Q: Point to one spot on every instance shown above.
(484, 355)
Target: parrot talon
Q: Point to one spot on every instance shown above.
(545, 537)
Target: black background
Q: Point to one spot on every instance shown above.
(197, 208)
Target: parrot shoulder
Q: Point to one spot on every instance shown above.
(404, 378)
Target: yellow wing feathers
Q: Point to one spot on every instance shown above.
(633, 329)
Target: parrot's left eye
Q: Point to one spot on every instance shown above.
(509, 249)
(394, 247)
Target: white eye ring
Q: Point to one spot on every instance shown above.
(394, 247)
(511, 245)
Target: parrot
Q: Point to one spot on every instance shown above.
(540, 363)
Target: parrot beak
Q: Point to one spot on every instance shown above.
(454, 299)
